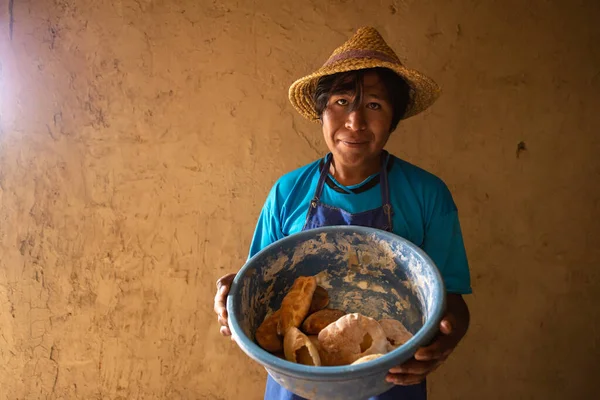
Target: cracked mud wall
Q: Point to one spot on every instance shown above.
(138, 140)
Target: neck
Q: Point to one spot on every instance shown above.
(349, 175)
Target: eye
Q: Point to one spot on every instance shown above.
(341, 102)
(374, 106)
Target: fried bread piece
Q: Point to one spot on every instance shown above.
(395, 332)
(266, 334)
(314, 323)
(298, 348)
(296, 303)
(319, 301)
(351, 337)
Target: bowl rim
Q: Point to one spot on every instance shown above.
(345, 372)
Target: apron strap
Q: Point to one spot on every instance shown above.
(322, 178)
(383, 179)
(385, 188)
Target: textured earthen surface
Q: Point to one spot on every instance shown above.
(138, 140)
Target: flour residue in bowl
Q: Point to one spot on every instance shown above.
(402, 304)
(361, 302)
(274, 266)
(366, 285)
(362, 285)
(349, 277)
(312, 247)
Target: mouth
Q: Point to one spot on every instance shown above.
(353, 143)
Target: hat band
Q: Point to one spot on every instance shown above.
(360, 54)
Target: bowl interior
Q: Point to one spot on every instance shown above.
(372, 272)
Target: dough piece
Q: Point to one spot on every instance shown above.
(319, 320)
(298, 348)
(266, 334)
(315, 340)
(366, 358)
(323, 355)
(319, 301)
(296, 303)
(395, 332)
(351, 337)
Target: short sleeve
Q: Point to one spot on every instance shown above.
(443, 242)
(268, 228)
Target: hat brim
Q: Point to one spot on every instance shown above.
(423, 90)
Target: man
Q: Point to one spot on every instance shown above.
(359, 95)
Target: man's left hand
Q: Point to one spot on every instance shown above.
(453, 327)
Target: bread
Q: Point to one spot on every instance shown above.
(319, 301)
(395, 332)
(351, 337)
(323, 355)
(266, 334)
(319, 320)
(296, 303)
(366, 358)
(298, 348)
(315, 340)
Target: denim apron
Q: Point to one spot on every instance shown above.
(320, 214)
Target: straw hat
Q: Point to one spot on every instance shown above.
(366, 49)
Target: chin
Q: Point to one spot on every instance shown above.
(352, 158)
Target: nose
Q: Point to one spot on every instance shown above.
(355, 121)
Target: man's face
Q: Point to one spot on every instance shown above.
(357, 137)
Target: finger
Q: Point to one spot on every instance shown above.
(446, 326)
(408, 380)
(223, 322)
(402, 368)
(221, 300)
(404, 379)
(225, 331)
(440, 343)
(223, 286)
(220, 308)
(433, 354)
(225, 280)
(438, 350)
(415, 367)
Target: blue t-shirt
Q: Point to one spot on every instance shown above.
(424, 212)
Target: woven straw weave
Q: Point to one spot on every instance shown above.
(366, 49)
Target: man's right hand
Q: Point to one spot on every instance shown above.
(220, 306)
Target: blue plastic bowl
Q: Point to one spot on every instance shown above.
(370, 271)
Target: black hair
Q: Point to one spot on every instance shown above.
(397, 89)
